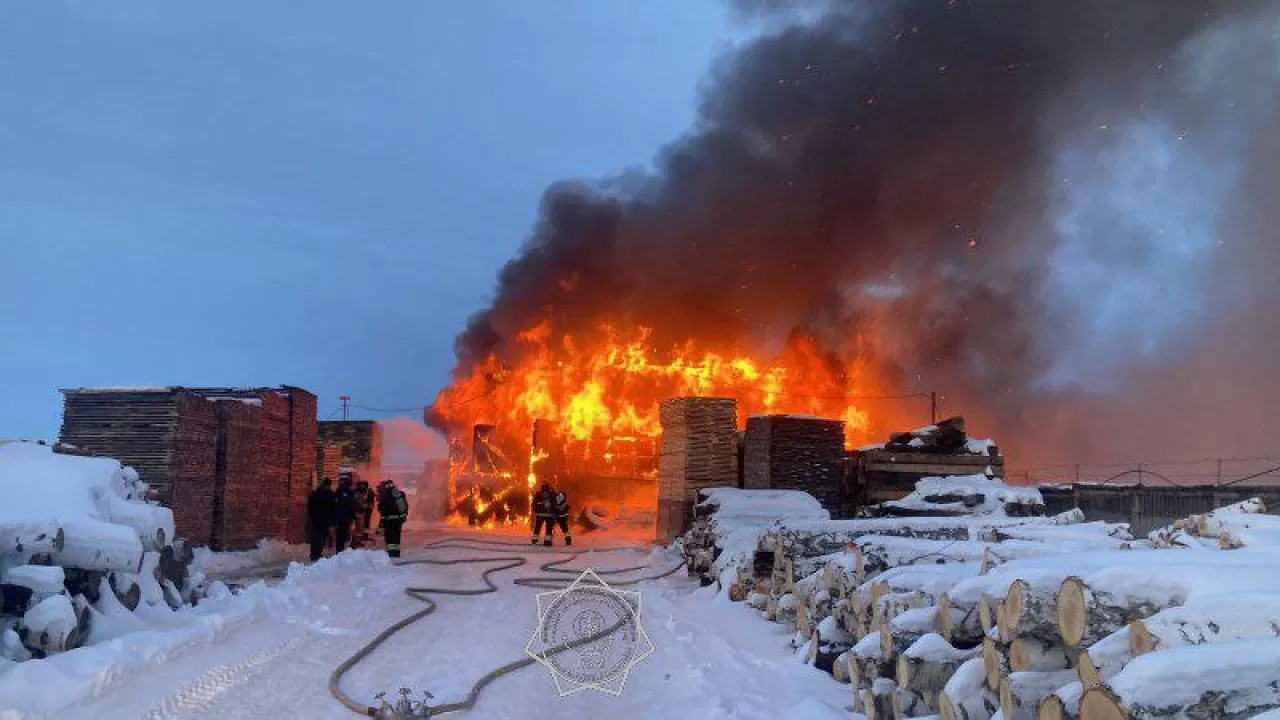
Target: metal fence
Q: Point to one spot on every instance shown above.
(1168, 473)
(1146, 507)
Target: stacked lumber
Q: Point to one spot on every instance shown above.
(792, 452)
(360, 440)
(89, 542)
(237, 514)
(698, 451)
(946, 438)
(168, 434)
(328, 461)
(303, 434)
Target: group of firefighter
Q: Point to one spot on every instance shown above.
(343, 516)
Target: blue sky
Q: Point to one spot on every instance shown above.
(254, 193)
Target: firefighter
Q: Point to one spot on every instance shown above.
(393, 507)
(364, 507)
(544, 513)
(344, 513)
(320, 511)
(561, 507)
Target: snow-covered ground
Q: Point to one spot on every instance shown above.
(268, 651)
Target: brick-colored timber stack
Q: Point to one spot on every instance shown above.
(791, 452)
(699, 449)
(328, 461)
(361, 443)
(238, 509)
(167, 434)
(286, 456)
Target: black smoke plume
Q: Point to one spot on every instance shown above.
(1002, 194)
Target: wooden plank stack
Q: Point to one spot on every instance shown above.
(303, 434)
(361, 443)
(328, 461)
(789, 452)
(699, 449)
(168, 434)
(238, 510)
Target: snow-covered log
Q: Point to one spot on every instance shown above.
(96, 545)
(1022, 692)
(908, 627)
(959, 623)
(1029, 608)
(42, 580)
(47, 626)
(1091, 608)
(878, 700)
(1236, 679)
(929, 663)
(24, 538)
(1213, 620)
(1063, 704)
(962, 698)
(869, 660)
(1030, 654)
(152, 523)
(1104, 658)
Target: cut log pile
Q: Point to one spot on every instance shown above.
(987, 615)
(80, 545)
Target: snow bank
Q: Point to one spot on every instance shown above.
(127, 642)
(40, 486)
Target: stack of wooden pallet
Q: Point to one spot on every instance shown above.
(328, 461)
(789, 452)
(699, 450)
(168, 434)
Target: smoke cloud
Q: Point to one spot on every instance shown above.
(1059, 214)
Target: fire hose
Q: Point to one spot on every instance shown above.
(423, 594)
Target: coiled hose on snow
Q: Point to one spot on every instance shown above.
(423, 594)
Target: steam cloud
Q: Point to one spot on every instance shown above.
(1060, 214)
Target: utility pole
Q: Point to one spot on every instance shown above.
(933, 408)
(346, 408)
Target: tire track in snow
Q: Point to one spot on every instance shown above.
(201, 694)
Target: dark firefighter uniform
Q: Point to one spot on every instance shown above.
(562, 515)
(394, 509)
(544, 513)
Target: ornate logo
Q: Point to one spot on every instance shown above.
(589, 635)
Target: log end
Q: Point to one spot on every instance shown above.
(1006, 697)
(946, 709)
(1051, 709)
(1071, 611)
(904, 671)
(1088, 672)
(944, 617)
(991, 664)
(869, 704)
(984, 614)
(1140, 642)
(1100, 703)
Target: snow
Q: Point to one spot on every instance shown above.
(1179, 676)
(993, 495)
(268, 651)
(42, 579)
(82, 495)
(741, 516)
(979, 447)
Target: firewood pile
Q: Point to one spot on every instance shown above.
(988, 615)
(87, 544)
(791, 452)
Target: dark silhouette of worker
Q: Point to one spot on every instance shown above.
(544, 513)
(344, 513)
(321, 507)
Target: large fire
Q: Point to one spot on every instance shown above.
(599, 396)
